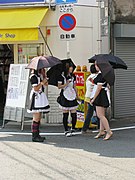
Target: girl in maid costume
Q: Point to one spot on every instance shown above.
(38, 101)
(68, 98)
(101, 100)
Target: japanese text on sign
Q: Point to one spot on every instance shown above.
(66, 8)
(80, 79)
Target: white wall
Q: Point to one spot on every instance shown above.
(88, 2)
(87, 33)
(84, 46)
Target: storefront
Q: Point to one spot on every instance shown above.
(20, 40)
(34, 30)
(124, 47)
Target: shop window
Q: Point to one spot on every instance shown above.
(6, 58)
(28, 51)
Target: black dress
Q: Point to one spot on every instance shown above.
(102, 99)
(67, 99)
(38, 100)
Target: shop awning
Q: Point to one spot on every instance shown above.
(20, 24)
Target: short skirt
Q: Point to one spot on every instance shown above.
(102, 99)
(38, 103)
(66, 104)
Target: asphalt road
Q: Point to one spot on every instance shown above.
(74, 158)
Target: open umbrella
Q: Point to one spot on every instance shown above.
(115, 61)
(40, 62)
(55, 72)
(106, 70)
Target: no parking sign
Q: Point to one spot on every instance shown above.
(67, 22)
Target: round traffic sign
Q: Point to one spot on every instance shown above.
(67, 22)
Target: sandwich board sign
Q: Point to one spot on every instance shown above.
(17, 92)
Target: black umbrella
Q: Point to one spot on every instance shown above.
(40, 62)
(67, 62)
(106, 70)
(55, 72)
(115, 61)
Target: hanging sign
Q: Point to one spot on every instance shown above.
(66, 8)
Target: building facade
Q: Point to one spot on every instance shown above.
(28, 29)
(122, 44)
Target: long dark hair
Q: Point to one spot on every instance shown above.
(93, 69)
(66, 71)
(35, 72)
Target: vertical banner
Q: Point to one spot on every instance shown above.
(81, 88)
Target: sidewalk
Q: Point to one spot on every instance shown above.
(55, 128)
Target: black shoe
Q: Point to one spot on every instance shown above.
(68, 134)
(73, 131)
(38, 139)
(42, 137)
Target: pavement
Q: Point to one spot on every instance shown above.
(80, 157)
(55, 128)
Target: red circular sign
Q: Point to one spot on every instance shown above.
(67, 22)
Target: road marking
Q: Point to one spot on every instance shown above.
(119, 129)
(61, 134)
(27, 134)
(21, 133)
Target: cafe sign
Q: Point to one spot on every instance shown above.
(18, 35)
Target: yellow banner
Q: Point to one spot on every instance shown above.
(18, 34)
(81, 92)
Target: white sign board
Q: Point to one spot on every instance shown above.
(17, 86)
(66, 8)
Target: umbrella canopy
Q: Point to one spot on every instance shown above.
(67, 62)
(55, 72)
(40, 62)
(107, 71)
(115, 61)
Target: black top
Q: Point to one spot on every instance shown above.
(61, 78)
(102, 99)
(34, 80)
(100, 80)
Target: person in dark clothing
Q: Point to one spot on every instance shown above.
(101, 101)
(38, 101)
(68, 98)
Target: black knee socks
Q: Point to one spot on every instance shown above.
(35, 128)
(65, 121)
(74, 119)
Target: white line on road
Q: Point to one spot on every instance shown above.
(22, 133)
(119, 129)
(61, 134)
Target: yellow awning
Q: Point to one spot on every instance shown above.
(20, 24)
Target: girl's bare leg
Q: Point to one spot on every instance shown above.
(104, 122)
(36, 117)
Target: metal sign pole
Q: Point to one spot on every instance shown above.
(68, 50)
(45, 41)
